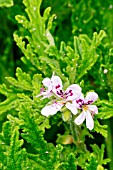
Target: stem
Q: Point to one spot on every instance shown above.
(76, 133)
(109, 145)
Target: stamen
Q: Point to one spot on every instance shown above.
(84, 107)
(60, 92)
(64, 95)
(68, 94)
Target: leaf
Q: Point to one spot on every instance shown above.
(54, 64)
(106, 109)
(6, 128)
(86, 49)
(24, 80)
(15, 155)
(92, 165)
(70, 163)
(97, 38)
(99, 153)
(12, 154)
(34, 136)
(6, 3)
(89, 57)
(102, 129)
(9, 103)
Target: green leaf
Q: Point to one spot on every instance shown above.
(106, 109)
(70, 163)
(54, 65)
(102, 129)
(33, 134)
(15, 155)
(99, 153)
(9, 104)
(10, 145)
(92, 165)
(6, 3)
(23, 82)
(7, 132)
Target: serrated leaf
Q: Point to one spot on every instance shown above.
(23, 82)
(15, 155)
(55, 66)
(102, 129)
(99, 153)
(6, 3)
(92, 165)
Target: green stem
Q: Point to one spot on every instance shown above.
(76, 133)
(109, 145)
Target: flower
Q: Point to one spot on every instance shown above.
(54, 88)
(46, 92)
(88, 110)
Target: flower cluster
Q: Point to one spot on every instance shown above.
(72, 98)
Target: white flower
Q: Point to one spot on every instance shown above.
(51, 109)
(46, 92)
(54, 87)
(88, 110)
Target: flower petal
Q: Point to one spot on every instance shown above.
(72, 107)
(93, 109)
(73, 92)
(56, 84)
(79, 101)
(91, 97)
(81, 97)
(46, 95)
(79, 120)
(51, 109)
(47, 83)
(89, 121)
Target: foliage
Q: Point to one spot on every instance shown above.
(80, 53)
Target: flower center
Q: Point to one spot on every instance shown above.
(65, 95)
(80, 102)
(85, 107)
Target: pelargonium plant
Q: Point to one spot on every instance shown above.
(63, 121)
(72, 98)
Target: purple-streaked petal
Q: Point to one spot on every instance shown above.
(56, 84)
(79, 120)
(51, 109)
(91, 97)
(93, 109)
(73, 92)
(81, 97)
(89, 121)
(79, 101)
(71, 107)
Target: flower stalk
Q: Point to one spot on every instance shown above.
(76, 133)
